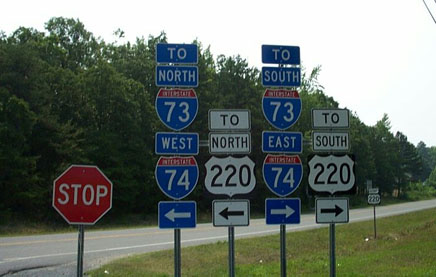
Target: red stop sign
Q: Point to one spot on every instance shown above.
(82, 194)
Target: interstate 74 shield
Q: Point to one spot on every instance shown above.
(176, 108)
(281, 107)
(176, 176)
(282, 173)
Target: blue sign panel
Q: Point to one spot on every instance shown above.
(282, 142)
(176, 108)
(176, 176)
(282, 211)
(176, 76)
(281, 107)
(176, 53)
(176, 143)
(282, 173)
(278, 54)
(177, 215)
(281, 76)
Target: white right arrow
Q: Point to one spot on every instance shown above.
(287, 211)
(172, 215)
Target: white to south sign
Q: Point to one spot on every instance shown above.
(330, 118)
(229, 120)
(230, 175)
(332, 173)
(229, 143)
(330, 141)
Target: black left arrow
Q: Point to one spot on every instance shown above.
(337, 210)
(226, 213)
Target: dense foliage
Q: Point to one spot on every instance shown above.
(67, 97)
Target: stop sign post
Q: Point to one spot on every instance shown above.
(82, 194)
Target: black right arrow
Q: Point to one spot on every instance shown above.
(337, 210)
(226, 213)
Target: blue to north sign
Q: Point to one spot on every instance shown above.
(279, 54)
(282, 173)
(176, 53)
(176, 143)
(282, 142)
(176, 176)
(176, 76)
(281, 76)
(282, 211)
(281, 107)
(176, 108)
(177, 215)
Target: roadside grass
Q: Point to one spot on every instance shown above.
(405, 246)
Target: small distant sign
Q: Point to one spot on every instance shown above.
(373, 191)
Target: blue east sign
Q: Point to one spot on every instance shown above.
(176, 143)
(279, 54)
(176, 108)
(177, 215)
(282, 211)
(282, 173)
(176, 76)
(282, 142)
(176, 176)
(176, 53)
(281, 107)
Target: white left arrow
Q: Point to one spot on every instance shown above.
(287, 211)
(172, 215)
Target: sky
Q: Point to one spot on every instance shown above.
(376, 56)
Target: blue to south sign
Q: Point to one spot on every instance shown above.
(282, 173)
(282, 211)
(176, 108)
(176, 176)
(281, 107)
(176, 53)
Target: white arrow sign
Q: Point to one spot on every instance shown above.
(287, 211)
(172, 215)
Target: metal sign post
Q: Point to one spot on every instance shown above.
(375, 225)
(283, 250)
(80, 250)
(177, 254)
(231, 251)
(332, 250)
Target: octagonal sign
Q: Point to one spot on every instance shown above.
(82, 194)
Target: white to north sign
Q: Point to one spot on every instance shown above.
(229, 120)
(332, 173)
(231, 212)
(230, 175)
(374, 199)
(330, 118)
(330, 141)
(332, 210)
(229, 143)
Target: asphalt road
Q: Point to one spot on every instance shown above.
(56, 255)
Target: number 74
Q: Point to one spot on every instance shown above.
(287, 179)
(183, 180)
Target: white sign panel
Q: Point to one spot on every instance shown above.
(229, 143)
(373, 191)
(374, 199)
(331, 173)
(230, 175)
(330, 118)
(229, 120)
(332, 210)
(330, 141)
(231, 212)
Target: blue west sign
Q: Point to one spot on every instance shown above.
(282, 173)
(282, 142)
(176, 53)
(176, 143)
(178, 214)
(282, 211)
(176, 76)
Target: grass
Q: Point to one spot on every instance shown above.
(405, 246)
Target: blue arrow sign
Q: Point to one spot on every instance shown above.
(176, 108)
(282, 173)
(176, 143)
(281, 107)
(176, 176)
(177, 215)
(281, 76)
(282, 211)
(176, 76)
(281, 54)
(176, 53)
(282, 142)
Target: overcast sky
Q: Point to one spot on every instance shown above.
(377, 56)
